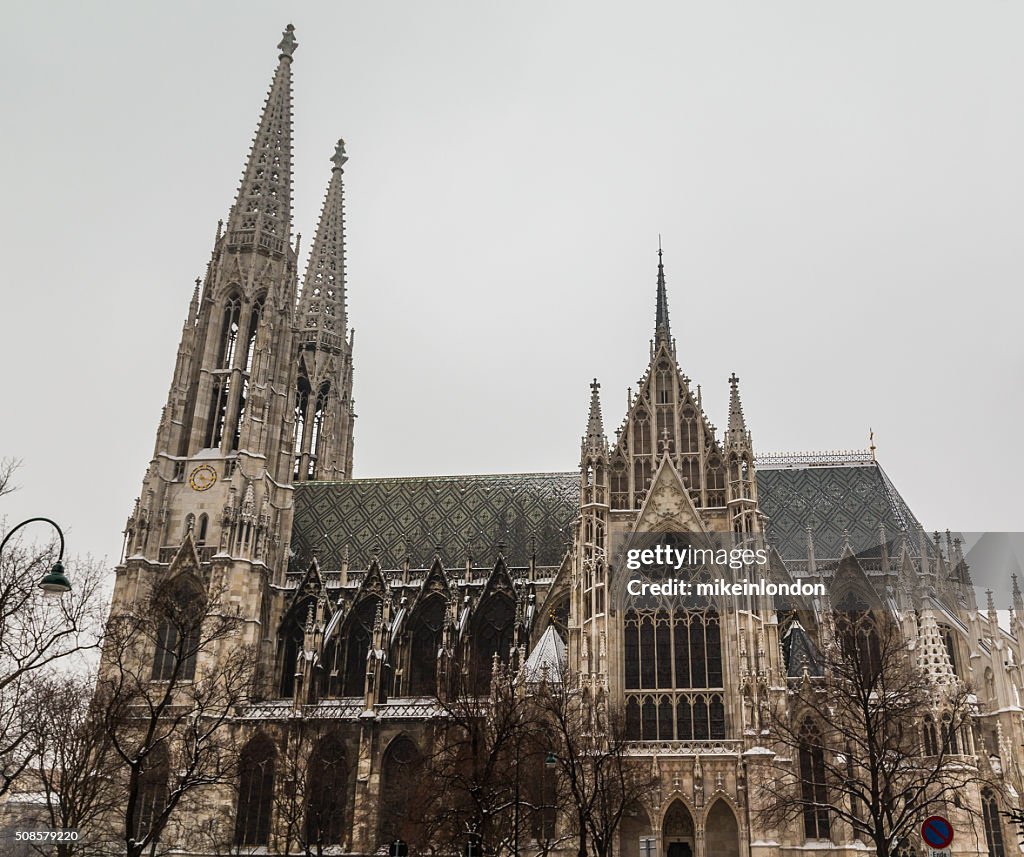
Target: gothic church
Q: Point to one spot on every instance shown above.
(362, 595)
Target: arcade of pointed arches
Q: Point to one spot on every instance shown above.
(412, 665)
(678, 835)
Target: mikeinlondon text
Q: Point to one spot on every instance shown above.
(636, 586)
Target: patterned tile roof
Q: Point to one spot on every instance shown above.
(831, 498)
(463, 514)
(472, 514)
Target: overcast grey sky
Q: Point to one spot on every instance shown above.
(838, 186)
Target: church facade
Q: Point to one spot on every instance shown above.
(363, 595)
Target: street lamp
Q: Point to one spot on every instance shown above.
(55, 582)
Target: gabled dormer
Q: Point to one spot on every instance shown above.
(665, 415)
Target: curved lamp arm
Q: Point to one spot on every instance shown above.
(55, 582)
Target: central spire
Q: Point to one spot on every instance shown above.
(662, 333)
(262, 213)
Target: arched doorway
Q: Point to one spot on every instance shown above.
(677, 836)
(635, 832)
(721, 832)
(400, 778)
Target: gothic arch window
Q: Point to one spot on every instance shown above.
(316, 427)
(858, 636)
(152, 795)
(641, 479)
(424, 643)
(949, 641)
(181, 606)
(673, 674)
(255, 792)
(620, 484)
(204, 523)
(993, 824)
(327, 791)
(302, 395)
(664, 407)
(716, 481)
(663, 384)
(255, 315)
(291, 638)
(931, 743)
(400, 769)
(688, 430)
(642, 433)
(949, 731)
(493, 633)
(229, 331)
(813, 787)
(357, 636)
(221, 384)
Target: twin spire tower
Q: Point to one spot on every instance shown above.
(261, 395)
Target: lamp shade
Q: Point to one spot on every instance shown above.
(55, 582)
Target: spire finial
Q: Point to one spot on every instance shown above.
(662, 333)
(871, 440)
(340, 157)
(287, 45)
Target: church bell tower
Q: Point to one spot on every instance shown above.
(261, 394)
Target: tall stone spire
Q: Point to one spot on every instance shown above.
(262, 213)
(323, 396)
(322, 307)
(662, 333)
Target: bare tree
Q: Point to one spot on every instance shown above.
(75, 766)
(8, 467)
(171, 677)
(854, 745)
(37, 633)
(597, 775)
(480, 779)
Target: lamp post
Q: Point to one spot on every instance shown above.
(54, 583)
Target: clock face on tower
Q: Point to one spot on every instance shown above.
(202, 478)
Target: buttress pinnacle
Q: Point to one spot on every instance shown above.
(737, 432)
(595, 439)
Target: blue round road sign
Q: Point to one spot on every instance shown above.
(937, 832)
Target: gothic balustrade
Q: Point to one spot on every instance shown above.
(685, 748)
(243, 239)
(349, 708)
